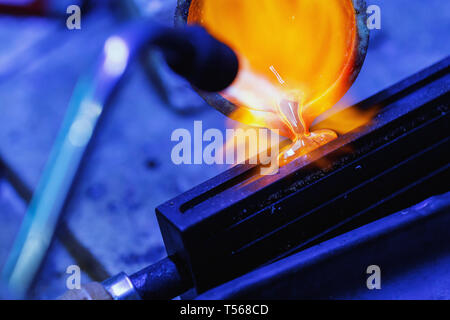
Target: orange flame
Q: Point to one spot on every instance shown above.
(296, 58)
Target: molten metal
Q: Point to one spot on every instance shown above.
(297, 60)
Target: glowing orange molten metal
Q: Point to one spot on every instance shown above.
(296, 58)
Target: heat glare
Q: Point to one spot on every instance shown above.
(296, 59)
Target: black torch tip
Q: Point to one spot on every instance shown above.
(207, 63)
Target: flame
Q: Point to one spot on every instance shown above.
(296, 60)
(346, 120)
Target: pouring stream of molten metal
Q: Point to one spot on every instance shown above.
(296, 57)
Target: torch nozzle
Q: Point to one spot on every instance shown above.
(192, 52)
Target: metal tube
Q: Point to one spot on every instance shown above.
(161, 281)
(85, 108)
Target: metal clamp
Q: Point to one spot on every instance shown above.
(120, 287)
